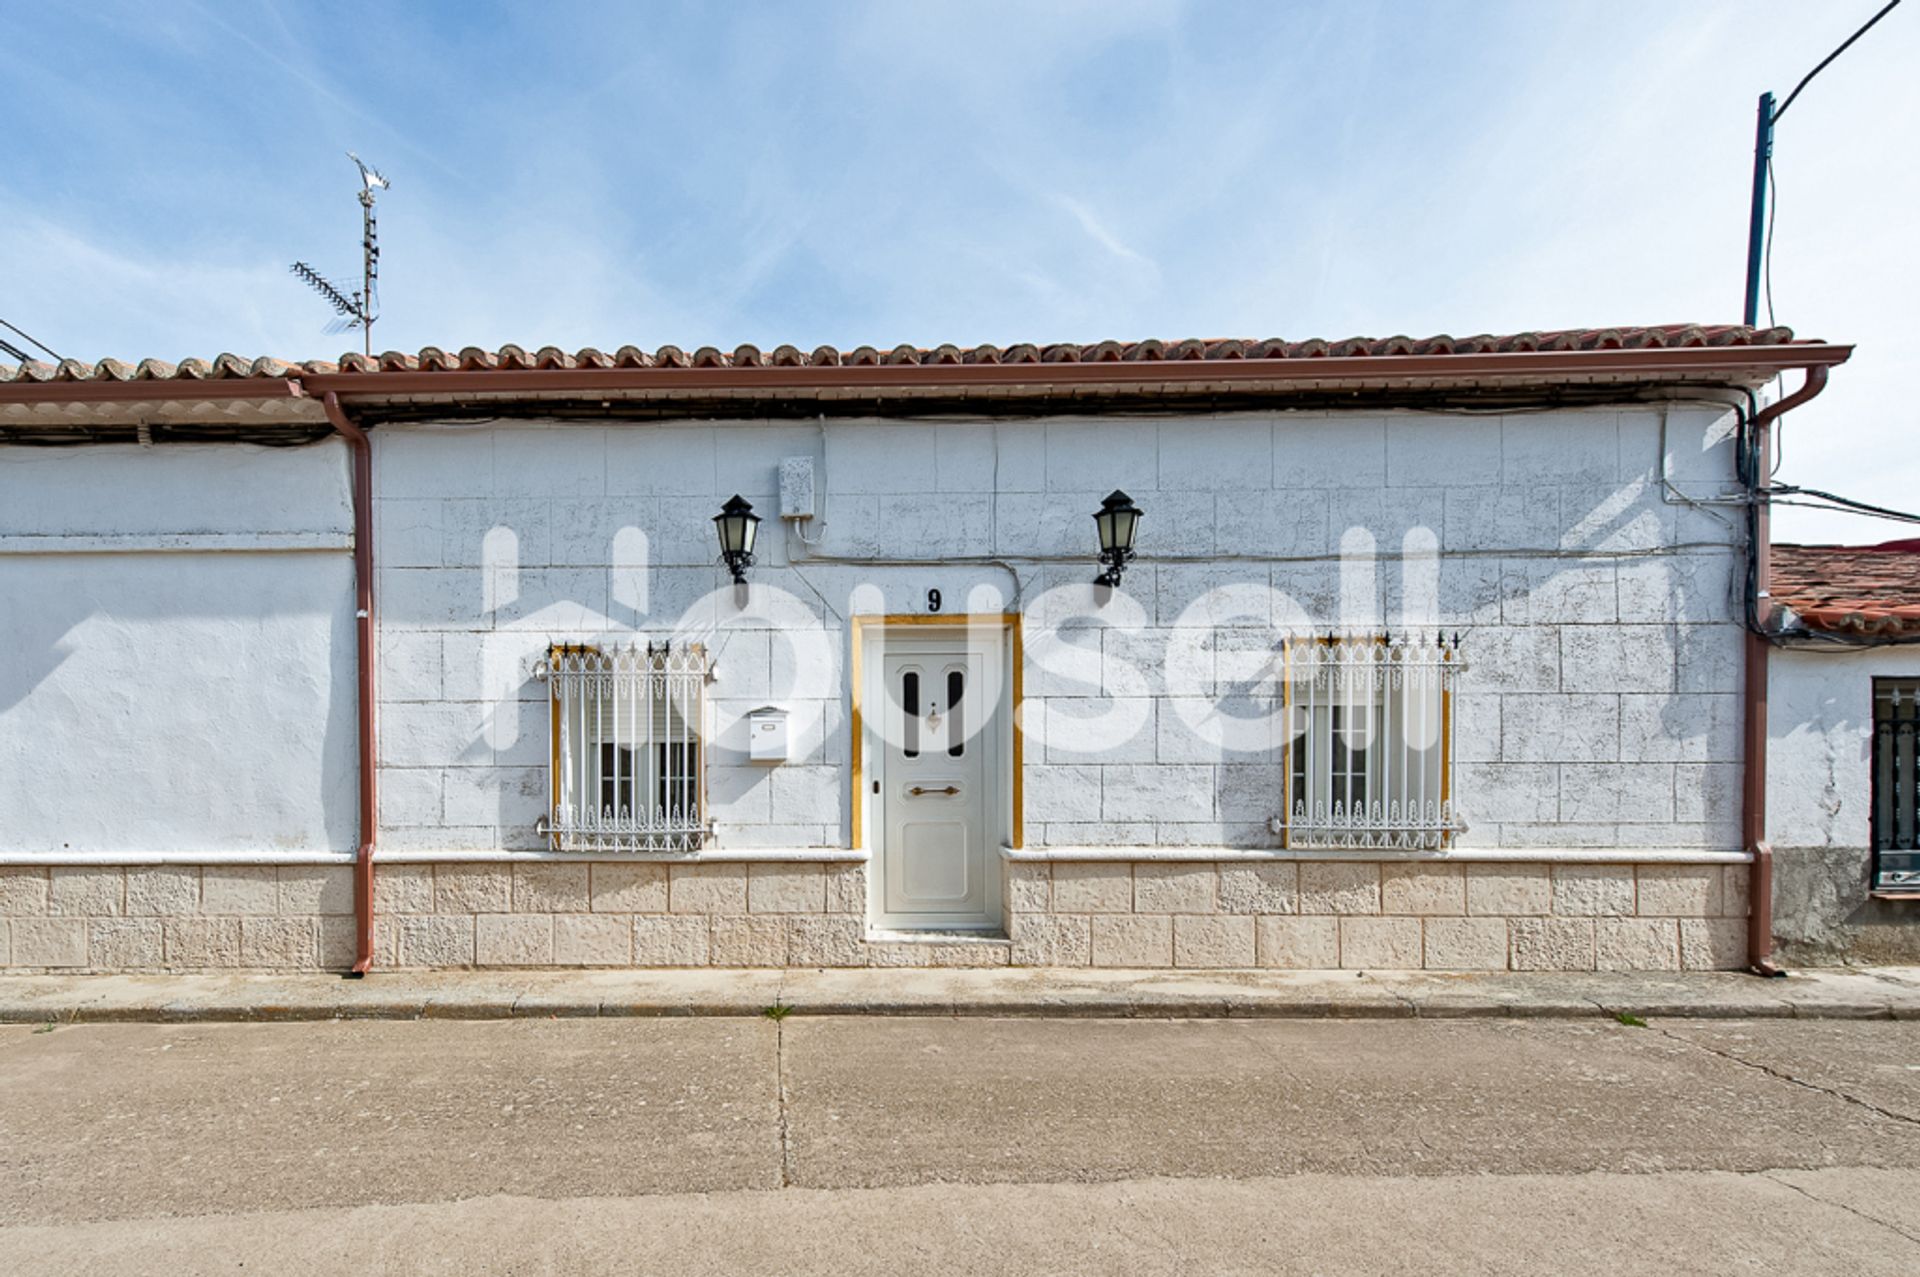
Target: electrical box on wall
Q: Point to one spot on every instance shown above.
(767, 735)
(796, 488)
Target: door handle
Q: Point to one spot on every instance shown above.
(918, 790)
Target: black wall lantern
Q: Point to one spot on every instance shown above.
(1118, 518)
(736, 525)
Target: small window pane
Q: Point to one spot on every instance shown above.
(616, 779)
(956, 690)
(910, 709)
(676, 776)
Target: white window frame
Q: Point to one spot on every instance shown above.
(1387, 701)
(627, 722)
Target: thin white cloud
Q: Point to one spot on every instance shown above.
(1097, 231)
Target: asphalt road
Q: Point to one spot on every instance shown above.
(845, 1145)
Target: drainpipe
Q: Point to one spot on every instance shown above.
(363, 626)
(1759, 645)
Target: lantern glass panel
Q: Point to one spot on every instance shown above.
(736, 527)
(1116, 521)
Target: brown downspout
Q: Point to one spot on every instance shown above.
(363, 626)
(1754, 788)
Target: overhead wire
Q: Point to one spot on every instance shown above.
(30, 339)
(1844, 46)
(1829, 501)
(1773, 186)
(1844, 504)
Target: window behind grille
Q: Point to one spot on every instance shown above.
(627, 729)
(1370, 758)
(1896, 808)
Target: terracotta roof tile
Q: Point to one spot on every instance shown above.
(471, 358)
(1851, 589)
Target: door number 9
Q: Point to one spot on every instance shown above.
(933, 600)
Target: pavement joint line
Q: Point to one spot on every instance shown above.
(785, 1112)
(1812, 1196)
(1789, 1078)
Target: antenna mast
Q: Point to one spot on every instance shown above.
(359, 307)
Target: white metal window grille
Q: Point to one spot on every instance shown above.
(627, 728)
(1896, 769)
(1370, 757)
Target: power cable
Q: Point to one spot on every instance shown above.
(1832, 501)
(1766, 257)
(1773, 189)
(31, 339)
(1847, 44)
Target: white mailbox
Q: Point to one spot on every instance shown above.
(767, 735)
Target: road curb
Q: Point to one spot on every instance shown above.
(542, 1009)
(1880, 994)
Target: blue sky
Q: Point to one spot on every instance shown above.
(888, 172)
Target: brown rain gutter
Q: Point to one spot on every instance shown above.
(1740, 362)
(363, 628)
(1761, 361)
(1754, 780)
(156, 390)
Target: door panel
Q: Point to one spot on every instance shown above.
(933, 858)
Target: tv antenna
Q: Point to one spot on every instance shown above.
(357, 307)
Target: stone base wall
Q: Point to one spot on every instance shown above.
(1308, 914)
(555, 914)
(1378, 915)
(1824, 912)
(177, 918)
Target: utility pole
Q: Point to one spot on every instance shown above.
(1757, 218)
(1762, 167)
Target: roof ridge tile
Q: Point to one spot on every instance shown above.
(514, 357)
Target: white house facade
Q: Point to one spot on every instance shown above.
(1404, 654)
(1844, 753)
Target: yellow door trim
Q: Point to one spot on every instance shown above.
(1007, 621)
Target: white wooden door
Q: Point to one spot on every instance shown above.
(935, 862)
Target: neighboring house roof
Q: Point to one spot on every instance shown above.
(1850, 589)
(516, 358)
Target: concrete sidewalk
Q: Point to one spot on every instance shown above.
(1859, 993)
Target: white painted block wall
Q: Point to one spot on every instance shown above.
(1820, 740)
(180, 657)
(1601, 708)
